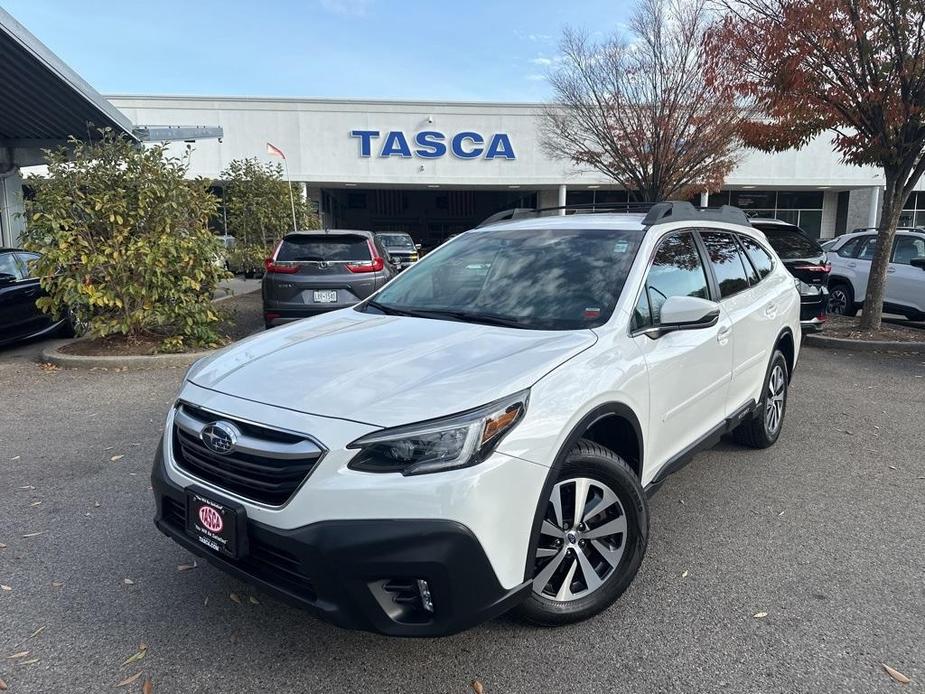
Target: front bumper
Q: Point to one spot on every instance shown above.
(338, 569)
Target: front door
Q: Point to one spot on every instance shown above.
(688, 369)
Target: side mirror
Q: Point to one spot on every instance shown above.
(6, 278)
(417, 246)
(685, 313)
(918, 262)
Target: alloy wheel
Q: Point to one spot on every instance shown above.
(774, 404)
(838, 301)
(582, 540)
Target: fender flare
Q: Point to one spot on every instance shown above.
(586, 422)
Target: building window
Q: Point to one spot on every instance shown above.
(913, 213)
(800, 207)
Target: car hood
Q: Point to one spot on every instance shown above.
(386, 370)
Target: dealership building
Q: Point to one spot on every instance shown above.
(428, 168)
(437, 168)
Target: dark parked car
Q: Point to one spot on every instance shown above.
(400, 246)
(805, 259)
(312, 272)
(20, 318)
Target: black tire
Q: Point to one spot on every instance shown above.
(757, 431)
(841, 299)
(589, 461)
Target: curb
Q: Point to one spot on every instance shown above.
(863, 345)
(53, 355)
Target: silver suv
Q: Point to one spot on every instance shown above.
(313, 272)
(851, 257)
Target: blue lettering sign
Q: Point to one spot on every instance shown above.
(395, 144)
(431, 144)
(365, 137)
(473, 153)
(500, 146)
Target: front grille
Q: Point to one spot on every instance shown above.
(271, 564)
(265, 465)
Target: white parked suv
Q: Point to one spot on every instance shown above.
(483, 433)
(851, 256)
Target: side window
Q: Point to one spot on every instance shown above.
(907, 248)
(677, 270)
(9, 266)
(750, 271)
(760, 258)
(868, 248)
(26, 260)
(850, 248)
(727, 262)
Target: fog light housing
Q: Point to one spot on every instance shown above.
(427, 601)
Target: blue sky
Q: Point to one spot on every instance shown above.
(404, 49)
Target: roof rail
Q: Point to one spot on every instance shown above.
(664, 212)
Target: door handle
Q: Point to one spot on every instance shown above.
(723, 334)
(770, 310)
(852, 264)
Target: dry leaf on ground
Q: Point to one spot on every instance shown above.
(142, 649)
(33, 661)
(896, 674)
(3, 686)
(40, 532)
(37, 632)
(116, 457)
(57, 584)
(684, 575)
(253, 600)
(2, 546)
(760, 615)
(235, 598)
(187, 567)
(21, 654)
(148, 686)
(3, 587)
(128, 581)
(477, 687)
(128, 680)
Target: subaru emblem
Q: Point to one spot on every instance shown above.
(220, 437)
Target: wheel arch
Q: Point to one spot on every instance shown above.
(786, 345)
(613, 422)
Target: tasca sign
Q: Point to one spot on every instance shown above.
(432, 144)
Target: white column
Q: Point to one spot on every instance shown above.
(873, 218)
(12, 208)
(705, 199)
(562, 198)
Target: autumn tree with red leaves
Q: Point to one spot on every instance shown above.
(855, 68)
(638, 108)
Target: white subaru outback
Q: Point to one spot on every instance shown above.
(483, 433)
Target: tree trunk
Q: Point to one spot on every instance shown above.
(876, 282)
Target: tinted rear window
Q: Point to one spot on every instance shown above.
(790, 242)
(396, 241)
(328, 247)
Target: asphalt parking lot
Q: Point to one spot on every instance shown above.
(825, 533)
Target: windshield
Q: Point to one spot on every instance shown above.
(542, 279)
(329, 247)
(396, 241)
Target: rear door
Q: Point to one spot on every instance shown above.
(905, 284)
(323, 270)
(751, 308)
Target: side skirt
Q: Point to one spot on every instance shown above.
(705, 442)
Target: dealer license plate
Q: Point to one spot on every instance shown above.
(219, 525)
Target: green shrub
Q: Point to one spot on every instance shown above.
(125, 243)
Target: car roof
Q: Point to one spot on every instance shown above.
(327, 232)
(625, 221)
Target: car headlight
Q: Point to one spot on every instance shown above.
(448, 443)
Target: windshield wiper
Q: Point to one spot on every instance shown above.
(472, 317)
(389, 310)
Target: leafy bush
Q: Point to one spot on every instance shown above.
(259, 212)
(125, 243)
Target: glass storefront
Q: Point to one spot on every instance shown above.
(800, 207)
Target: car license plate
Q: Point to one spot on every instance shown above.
(219, 525)
(327, 296)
